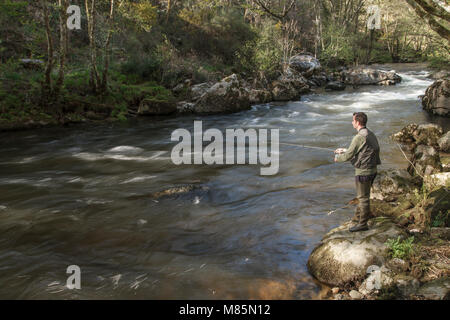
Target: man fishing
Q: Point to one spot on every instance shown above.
(364, 154)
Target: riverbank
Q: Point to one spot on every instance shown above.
(406, 252)
(126, 100)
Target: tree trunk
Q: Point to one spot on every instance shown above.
(90, 12)
(104, 85)
(63, 5)
(47, 84)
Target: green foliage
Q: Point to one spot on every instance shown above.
(338, 46)
(120, 112)
(440, 220)
(400, 248)
(262, 53)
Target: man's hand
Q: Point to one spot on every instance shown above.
(340, 150)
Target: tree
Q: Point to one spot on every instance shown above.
(434, 14)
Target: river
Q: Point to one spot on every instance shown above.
(79, 196)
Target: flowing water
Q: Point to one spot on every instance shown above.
(80, 196)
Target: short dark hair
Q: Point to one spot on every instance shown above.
(361, 117)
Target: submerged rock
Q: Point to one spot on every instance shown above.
(437, 98)
(343, 257)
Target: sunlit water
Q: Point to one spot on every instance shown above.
(79, 196)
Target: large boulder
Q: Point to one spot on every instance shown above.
(259, 96)
(228, 95)
(426, 134)
(284, 91)
(444, 142)
(390, 184)
(298, 82)
(368, 76)
(289, 86)
(437, 98)
(200, 89)
(306, 64)
(441, 179)
(154, 107)
(426, 161)
(343, 257)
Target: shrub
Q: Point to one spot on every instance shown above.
(400, 248)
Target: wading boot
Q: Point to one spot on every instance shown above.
(359, 227)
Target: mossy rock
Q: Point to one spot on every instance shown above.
(343, 257)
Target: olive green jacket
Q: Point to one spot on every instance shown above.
(363, 153)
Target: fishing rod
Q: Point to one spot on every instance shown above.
(340, 150)
(304, 146)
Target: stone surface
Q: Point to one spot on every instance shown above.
(426, 134)
(390, 184)
(444, 142)
(398, 265)
(284, 91)
(438, 289)
(304, 63)
(185, 107)
(441, 179)
(355, 295)
(378, 278)
(335, 85)
(228, 95)
(259, 96)
(426, 161)
(368, 76)
(200, 89)
(342, 256)
(407, 285)
(437, 98)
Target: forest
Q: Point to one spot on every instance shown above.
(116, 52)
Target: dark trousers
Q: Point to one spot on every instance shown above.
(363, 185)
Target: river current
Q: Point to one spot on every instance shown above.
(80, 196)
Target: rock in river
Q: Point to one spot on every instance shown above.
(343, 256)
(226, 96)
(367, 76)
(437, 98)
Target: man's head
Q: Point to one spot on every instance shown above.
(359, 120)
